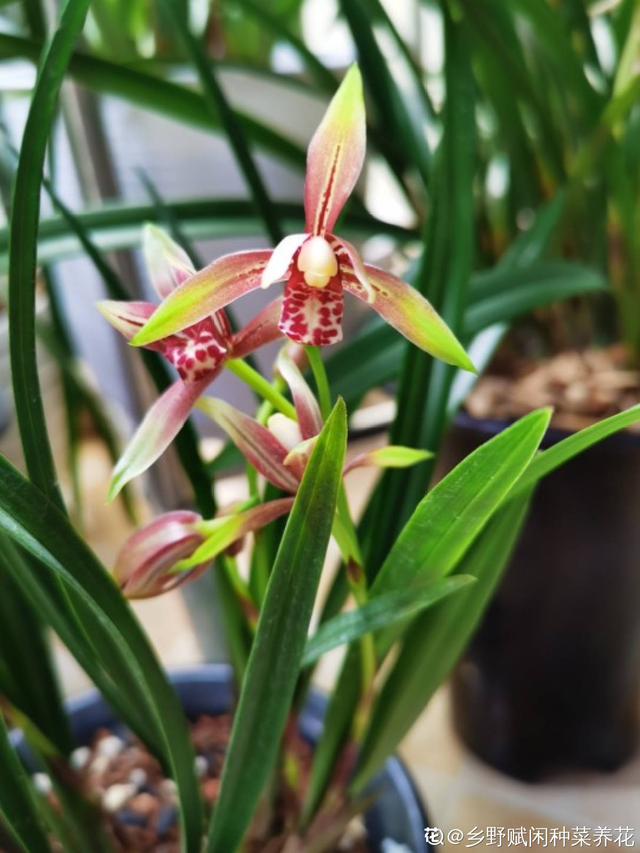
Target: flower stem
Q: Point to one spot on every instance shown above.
(322, 383)
(261, 386)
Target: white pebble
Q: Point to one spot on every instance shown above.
(110, 746)
(80, 757)
(168, 789)
(138, 777)
(117, 795)
(202, 765)
(42, 783)
(99, 765)
(391, 846)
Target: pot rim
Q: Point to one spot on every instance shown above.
(553, 435)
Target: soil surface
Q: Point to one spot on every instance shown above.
(139, 802)
(582, 386)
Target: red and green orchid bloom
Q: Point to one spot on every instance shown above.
(281, 449)
(316, 265)
(198, 352)
(177, 547)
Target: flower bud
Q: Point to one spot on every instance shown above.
(144, 565)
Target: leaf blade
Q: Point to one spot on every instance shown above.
(274, 661)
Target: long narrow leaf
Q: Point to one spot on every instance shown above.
(17, 803)
(153, 93)
(429, 547)
(24, 235)
(36, 524)
(437, 639)
(117, 226)
(278, 646)
(217, 105)
(24, 652)
(380, 612)
(564, 450)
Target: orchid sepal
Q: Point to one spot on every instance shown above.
(335, 156)
(391, 456)
(404, 308)
(159, 427)
(167, 263)
(205, 293)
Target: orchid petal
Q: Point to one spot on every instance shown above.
(392, 456)
(312, 315)
(335, 156)
(159, 427)
(409, 312)
(262, 330)
(285, 429)
(307, 408)
(298, 456)
(281, 257)
(223, 532)
(127, 317)
(351, 262)
(146, 559)
(260, 447)
(206, 292)
(168, 264)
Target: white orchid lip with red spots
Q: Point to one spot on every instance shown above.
(198, 352)
(317, 266)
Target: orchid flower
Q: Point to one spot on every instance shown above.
(281, 449)
(178, 546)
(317, 265)
(198, 352)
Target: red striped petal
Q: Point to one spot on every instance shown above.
(307, 408)
(256, 443)
(335, 156)
(279, 264)
(262, 330)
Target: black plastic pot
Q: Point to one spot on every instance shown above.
(551, 681)
(397, 812)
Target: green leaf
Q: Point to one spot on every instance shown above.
(117, 226)
(452, 514)
(380, 612)
(538, 285)
(443, 278)
(17, 800)
(436, 640)
(548, 460)
(218, 106)
(28, 679)
(404, 124)
(153, 93)
(321, 73)
(37, 525)
(24, 235)
(278, 646)
(429, 547)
